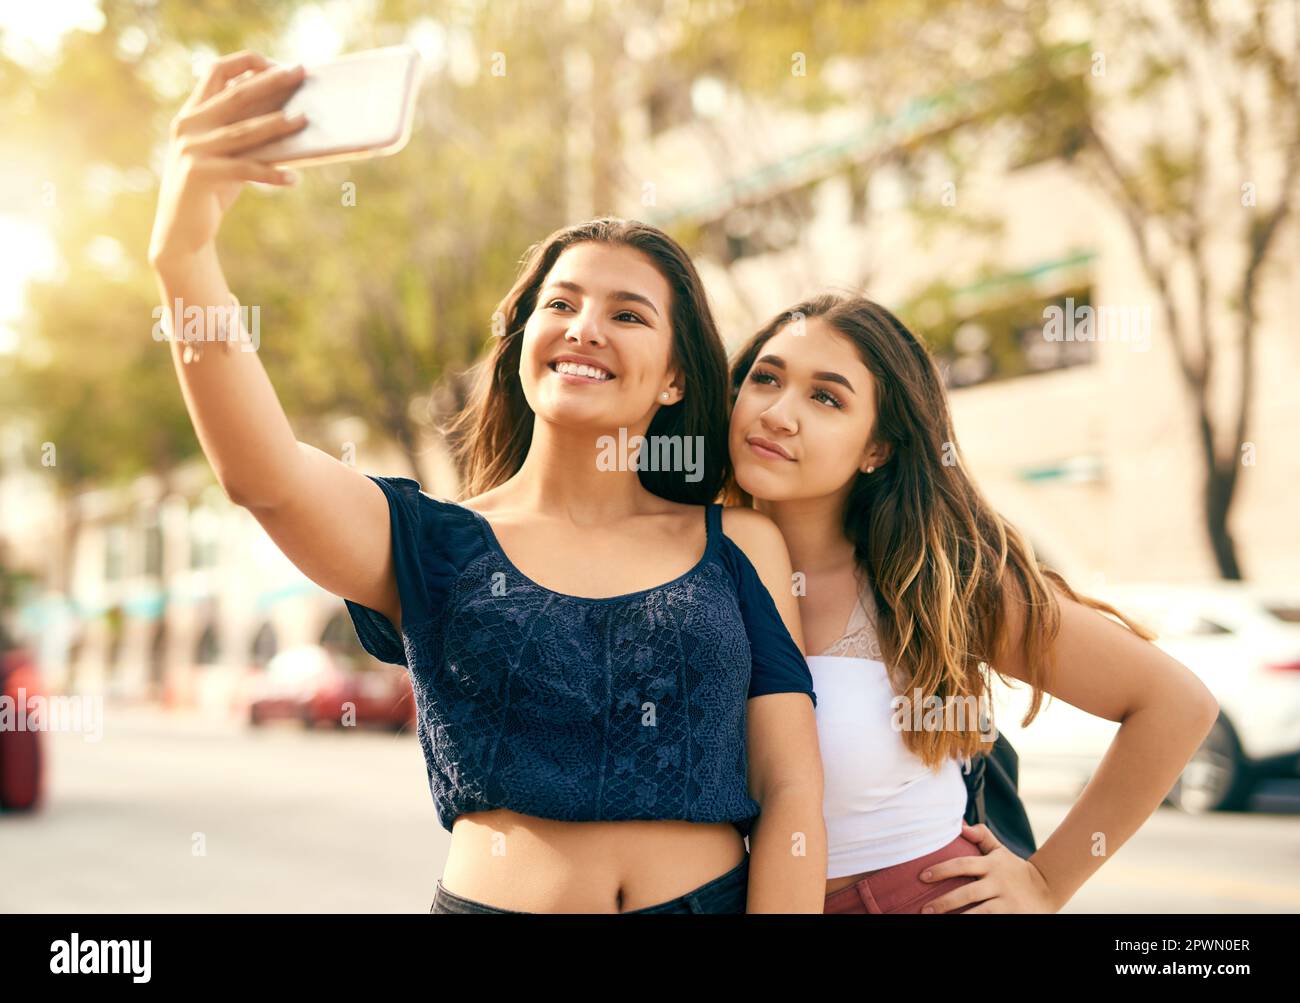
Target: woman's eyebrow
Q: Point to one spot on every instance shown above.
(776, 360)
(621, 294)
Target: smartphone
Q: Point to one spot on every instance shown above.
(359, 105)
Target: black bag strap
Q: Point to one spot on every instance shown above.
(992, 797)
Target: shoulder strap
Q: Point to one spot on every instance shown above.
(994, 799)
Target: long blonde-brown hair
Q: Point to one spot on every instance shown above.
(940, 561)
(490, 438)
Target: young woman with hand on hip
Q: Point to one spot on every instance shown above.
(609, 697)
(915, 589)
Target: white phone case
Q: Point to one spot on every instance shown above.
(359, 105)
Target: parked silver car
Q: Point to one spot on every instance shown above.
(1243, 642)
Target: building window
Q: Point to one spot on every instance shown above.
(209, 651)
(158, 657)
(1003, 338)
(265, 645)
(115, 541)
(153, 546)
(763, 228)
(203, 537)
(115, 618)
(339, 635)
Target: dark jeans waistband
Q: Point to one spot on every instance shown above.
(727, 893)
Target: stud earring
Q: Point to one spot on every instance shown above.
(664, 395)
(870, 469)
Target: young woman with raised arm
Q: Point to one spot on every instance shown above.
(610, 690)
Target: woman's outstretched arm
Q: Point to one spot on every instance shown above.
(326, 517)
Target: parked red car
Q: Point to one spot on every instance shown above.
(313, 684)
(22, 751)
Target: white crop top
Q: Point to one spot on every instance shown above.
(882, 805)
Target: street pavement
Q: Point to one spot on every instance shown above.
(173, 812)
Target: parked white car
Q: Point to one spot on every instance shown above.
(1242, 641)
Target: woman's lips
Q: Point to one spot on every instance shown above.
(767, 454)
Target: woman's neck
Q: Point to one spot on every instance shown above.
(560, 476)
(814, 533)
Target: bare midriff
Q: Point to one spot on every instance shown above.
(529, 864)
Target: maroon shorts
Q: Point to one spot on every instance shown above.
(899, 889)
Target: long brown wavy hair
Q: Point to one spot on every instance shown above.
(490, 438)
(940, 561)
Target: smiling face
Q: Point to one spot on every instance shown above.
(597, 348)
(804, 416)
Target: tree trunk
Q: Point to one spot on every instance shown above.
(1220, 486)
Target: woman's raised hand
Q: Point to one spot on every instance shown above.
(234, 109)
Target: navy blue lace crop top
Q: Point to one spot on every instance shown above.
(570, 708)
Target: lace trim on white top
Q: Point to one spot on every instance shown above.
(859, 639)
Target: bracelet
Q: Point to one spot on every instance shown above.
(193, 350)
